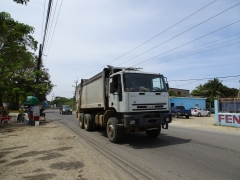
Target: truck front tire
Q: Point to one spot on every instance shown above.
(114, 132)
(88, 122)
(154, 132)
(81, 120)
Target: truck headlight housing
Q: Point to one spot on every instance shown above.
(132, 122)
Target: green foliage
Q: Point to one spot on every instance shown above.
(18, 64)
(172, 93)
(214, 89)
(62, 101)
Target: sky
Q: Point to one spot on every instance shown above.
(189, 42)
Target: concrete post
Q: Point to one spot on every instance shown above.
(216, 111)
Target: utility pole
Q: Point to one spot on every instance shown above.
(52, 100)
(74, 97)
(38, 68)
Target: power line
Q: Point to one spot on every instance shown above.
(43, 18)
(46, 23)
(69, 67)
(191, 53)
(51, 24)
(54, 27)
(162, 32)
(182, 52)
(189, 42)
(180, 34)
(222, 77)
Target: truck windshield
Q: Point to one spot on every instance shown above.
(134, 82)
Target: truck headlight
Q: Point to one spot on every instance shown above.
(132, 122)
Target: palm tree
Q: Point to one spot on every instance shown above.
(213, 88)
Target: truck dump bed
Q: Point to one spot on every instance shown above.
(92, 92)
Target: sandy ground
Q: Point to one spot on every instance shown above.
(50, 151)
(202, 122)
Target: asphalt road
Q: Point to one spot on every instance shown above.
(178, 153)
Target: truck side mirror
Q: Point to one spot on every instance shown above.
(167, 86)
(111, 87)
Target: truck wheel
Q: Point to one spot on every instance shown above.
(114, 133)
(187, 116)
(81, 120)
(93, 122)
(199, 115)
(154, 132)
(88, 122)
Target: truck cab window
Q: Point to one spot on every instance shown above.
(134, 82)
(115, 83)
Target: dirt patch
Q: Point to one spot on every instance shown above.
(202, 122)
(47, 151)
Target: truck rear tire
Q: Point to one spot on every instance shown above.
(154, 132)
(93, 122)
(81, 120)
(88, 122)
(114, 132)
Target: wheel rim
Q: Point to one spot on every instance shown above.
(111, 130)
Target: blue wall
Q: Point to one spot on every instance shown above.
(188, 102)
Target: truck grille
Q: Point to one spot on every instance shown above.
(148, 106)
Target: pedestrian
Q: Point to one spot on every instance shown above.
(20, 114)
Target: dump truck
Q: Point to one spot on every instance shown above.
(123, 100)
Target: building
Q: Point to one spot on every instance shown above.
(188, 102)
(181, 92)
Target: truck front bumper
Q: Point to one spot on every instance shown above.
(146, 119)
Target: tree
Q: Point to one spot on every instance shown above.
(198, 91)
(18, 63)
(213, 89)
(172, 93)
(62, 101)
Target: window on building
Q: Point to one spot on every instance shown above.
(196, 105)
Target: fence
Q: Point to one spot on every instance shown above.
(230, 105)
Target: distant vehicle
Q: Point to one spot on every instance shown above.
(180, 111)
(199, 112)
(65, 109)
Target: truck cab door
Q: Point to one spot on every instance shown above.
(115, 92)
